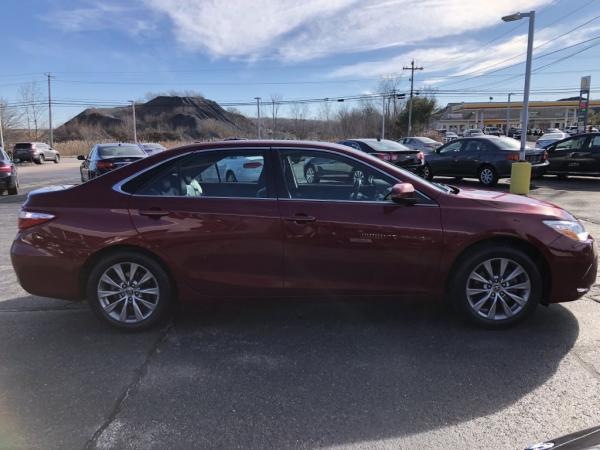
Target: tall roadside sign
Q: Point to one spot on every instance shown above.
(584, 101)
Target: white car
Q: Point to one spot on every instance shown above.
(243, 169)
(572, 129)
(450, 136)
(550, 138)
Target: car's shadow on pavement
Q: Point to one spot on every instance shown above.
(277, 375)
(264, 374)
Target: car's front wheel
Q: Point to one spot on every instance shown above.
(129, 290)
(488, 176)
(310, 174)
(496, 286)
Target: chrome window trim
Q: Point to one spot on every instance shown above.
(118, 186)
(357, 160)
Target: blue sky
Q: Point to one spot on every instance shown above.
(232, 51)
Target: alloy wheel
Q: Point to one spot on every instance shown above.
(486, 176)
(310, 175)
(128, 292)
(498, 289)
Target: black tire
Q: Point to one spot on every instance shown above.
(426, 172)
(13, 190)
(469, 263)
(82, 179)
(166, 289)
(310, 174)
(487, 176)
(40, 160)
(562, 176)
(57, 159)
(230, 177)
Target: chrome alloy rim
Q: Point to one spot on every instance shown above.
(498, 289)
(487, 176)
(128, 292)
(310, 175)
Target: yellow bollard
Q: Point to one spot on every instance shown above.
(520, 177)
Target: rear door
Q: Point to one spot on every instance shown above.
(566, 156)
(219, 237)
(594, 146)
(344, 237)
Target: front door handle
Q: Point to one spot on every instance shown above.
(155, 213)
(300, 218)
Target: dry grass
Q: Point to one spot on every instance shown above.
(74, 148)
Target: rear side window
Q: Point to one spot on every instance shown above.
(233, 174)
(22, 145)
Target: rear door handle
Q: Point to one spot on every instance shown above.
(300, 219)
(154, 212)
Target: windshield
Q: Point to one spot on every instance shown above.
(386, 145)
(120, 151)
(548, 136)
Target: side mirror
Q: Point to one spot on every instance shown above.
(403, 193)
(81, 157)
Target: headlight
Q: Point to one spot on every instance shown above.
(571, 229)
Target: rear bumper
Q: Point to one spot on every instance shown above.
(27, 156)
(40, 272)
(415, 168)
(574, 266)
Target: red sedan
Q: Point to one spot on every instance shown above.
(173, 228)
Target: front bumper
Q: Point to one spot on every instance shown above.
(574, 267)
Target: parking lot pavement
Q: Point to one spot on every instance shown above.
(295, 374)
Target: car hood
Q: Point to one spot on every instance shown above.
(507, 202)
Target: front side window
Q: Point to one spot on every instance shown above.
(227, 173)
(317, 175)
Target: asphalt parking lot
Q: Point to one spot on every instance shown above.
(294, 374)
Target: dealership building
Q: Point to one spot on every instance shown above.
(458, 117)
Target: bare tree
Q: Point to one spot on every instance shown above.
(299, 112)
(34, 106)
(275, 105)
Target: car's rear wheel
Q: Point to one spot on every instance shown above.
(41, 159)
(310, 174)
(230, 177)
(13, 190)
(57, 159)
(129, 290)
(496, 286)
(426, 172)
(488, 176)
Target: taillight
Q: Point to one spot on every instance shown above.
(384, 156)
(5, 168)
(28, 219)
(545, 157)
(104, 165)
(513, 156)
(252, 165)
(420, 156)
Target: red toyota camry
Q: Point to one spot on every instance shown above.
(241, 219)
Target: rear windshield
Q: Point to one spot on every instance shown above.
(506, 143)
(22, 145)
(426, 140)
(120, 150)
(387, 146)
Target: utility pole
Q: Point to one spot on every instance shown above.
(383, 116)
(134, 123)
(273, 105)
(50, 131)
(258, 116)
(1, 132)
(412, 69)
(508, 114)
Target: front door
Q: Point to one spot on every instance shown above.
(442, 162)
(343, 236)
(566, 156)
(220, 236)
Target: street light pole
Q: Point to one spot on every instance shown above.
(257, 116)
(508, 114)
(1, 132)
(521, 172)
(134, 123)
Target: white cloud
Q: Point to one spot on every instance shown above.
(466, 58)
(300, 30)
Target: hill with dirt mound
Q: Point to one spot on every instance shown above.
(163, 118)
